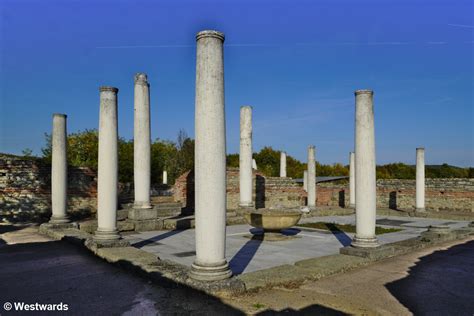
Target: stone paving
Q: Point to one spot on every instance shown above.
(248, 255)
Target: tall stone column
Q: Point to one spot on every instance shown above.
(245, 157)
(141, 142)
(165, 177)
(254, 164)
(420, 179)
(59, 171)
(305, 180)
(283, 164)
(107, 178)
(210, 160)
(352, 194)
(365, 183)
(311, 178)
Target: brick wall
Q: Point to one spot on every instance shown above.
(25, 189)
(455, 195)
(268, 191)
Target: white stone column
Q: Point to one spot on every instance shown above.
(283, 164)
(141, 142)
(59, 170)
(254, 164)
(210, 160)
(305, 180)
(311, 178)
(165, 177)
(352, 194)
(420, 179)
(245, 157)
(365, 183)
(107, 178)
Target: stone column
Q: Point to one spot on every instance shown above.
(107, 178)
(420, 179)
(59, 170)
(141, 142)
(254, 164)
(311, 178)
(365, 183)
(352, 194)
(165, 177)
(210, 160)
(305, 180)
(245, 157)
(283, 164)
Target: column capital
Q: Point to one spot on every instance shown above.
(59, 115)
(108, 88)
(141, 78)
(210, 33)
(364, 91)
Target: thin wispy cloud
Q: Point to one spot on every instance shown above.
(180, 46)
(462, 25)
(385, 43)
(143, 46)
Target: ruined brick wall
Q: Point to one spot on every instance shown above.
(268, 191)
(25, 188)
(455, 195)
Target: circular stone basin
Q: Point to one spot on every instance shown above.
(273, 220)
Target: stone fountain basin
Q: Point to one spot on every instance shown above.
(271, 220)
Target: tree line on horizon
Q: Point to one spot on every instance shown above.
(177, 157)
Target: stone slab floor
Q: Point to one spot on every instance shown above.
(248, 255)
(431, 281)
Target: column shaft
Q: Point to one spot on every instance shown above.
(311, 178)
(283, 164)
(107, 178)
(254, 164)
(59, 170)
(245, 157)
(141, 142)
(352, 194)
(305, 180)
(210, 160)
(365, 183)
(420, 179)
(165, 177)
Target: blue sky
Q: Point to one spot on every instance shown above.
(296, 62)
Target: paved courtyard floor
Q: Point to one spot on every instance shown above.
(247, 255)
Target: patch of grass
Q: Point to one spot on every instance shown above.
(347, 228)
(258, 305)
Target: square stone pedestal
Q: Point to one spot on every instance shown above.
(94, 244)
(374, 253)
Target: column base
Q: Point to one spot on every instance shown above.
(106, 235)
(207, 273)
(352, 206)
(359, 242)
(420, 210)
(246, 205)
(311, 208)
(59, 219)
(142, 205)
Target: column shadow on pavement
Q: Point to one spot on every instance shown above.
(156, 238)
(341, 236)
